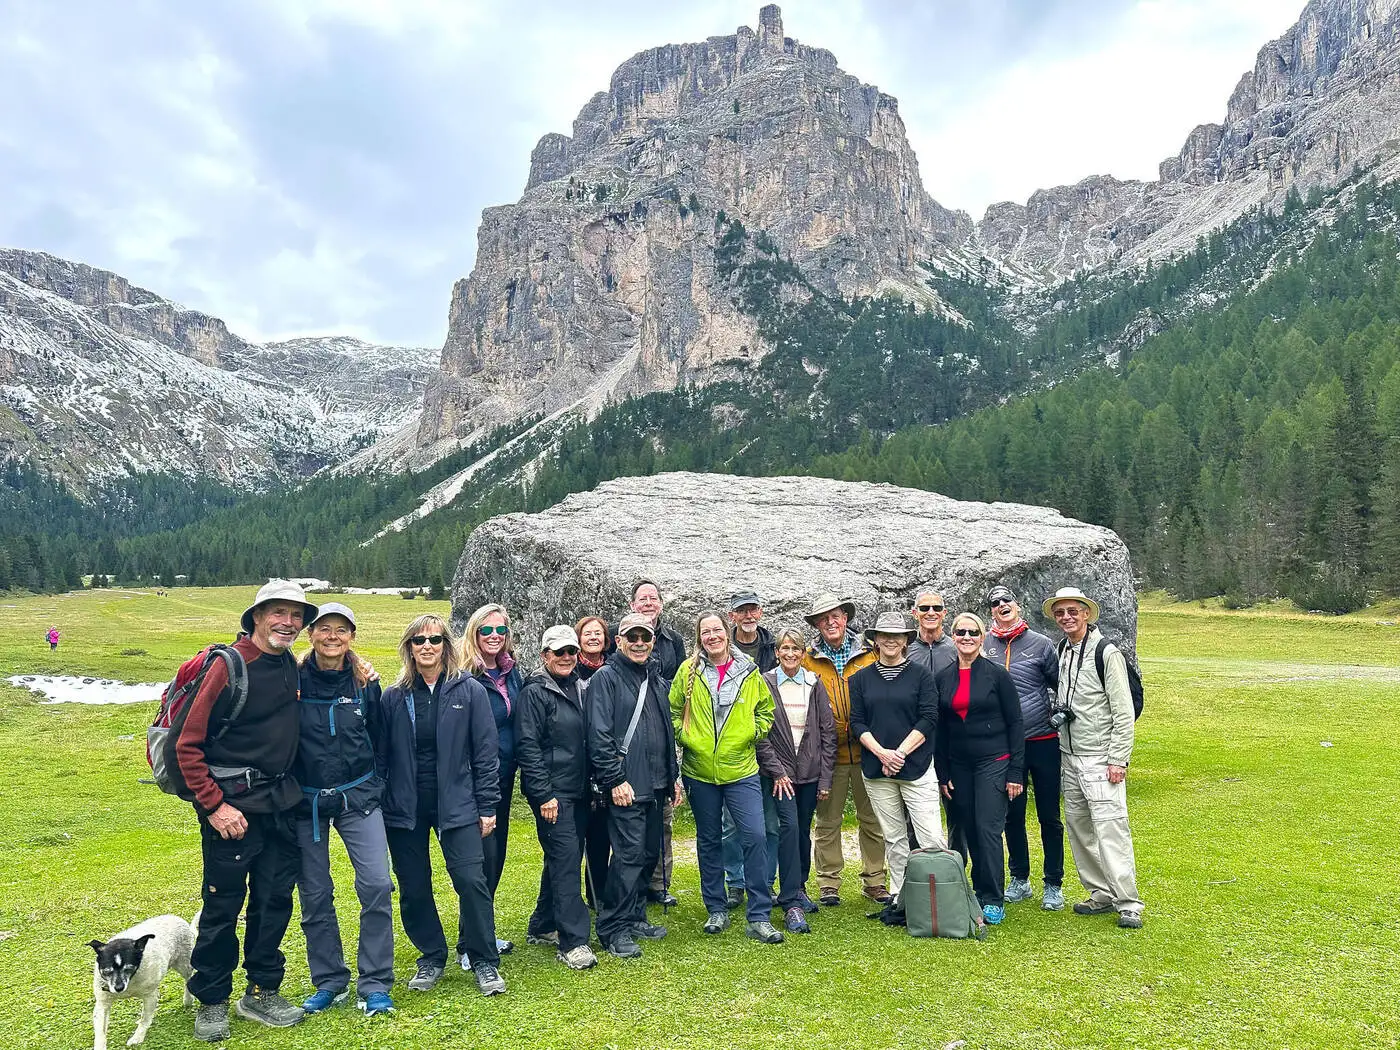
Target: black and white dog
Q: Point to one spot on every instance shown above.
(132, 965)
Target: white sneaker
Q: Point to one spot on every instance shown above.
(580, 958)
(464, 962)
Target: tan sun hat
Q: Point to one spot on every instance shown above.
(824, 603)
(889, 623)
(279, 591)
(1074, 594)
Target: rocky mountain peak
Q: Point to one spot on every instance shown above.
(1322, 99)
(601, 279)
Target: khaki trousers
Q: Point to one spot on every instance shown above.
(1096, 816)
(898, 803)
(830, 861)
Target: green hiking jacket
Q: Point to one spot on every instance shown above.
(718, 726)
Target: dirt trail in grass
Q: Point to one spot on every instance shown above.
(1268, 672)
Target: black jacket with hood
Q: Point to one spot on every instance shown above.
(340, 720)
(468, 756)
(551, 742)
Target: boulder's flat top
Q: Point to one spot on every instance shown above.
(703, 536)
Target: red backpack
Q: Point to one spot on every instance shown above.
(175, 702)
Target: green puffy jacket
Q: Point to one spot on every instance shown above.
(717, 726)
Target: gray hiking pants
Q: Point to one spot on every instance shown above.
(363, 835)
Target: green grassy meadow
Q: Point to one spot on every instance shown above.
(1266, 859)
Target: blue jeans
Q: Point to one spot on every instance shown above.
(734, 850)
(743, 800)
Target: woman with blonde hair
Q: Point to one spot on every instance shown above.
(980, 756)
(721, 708)
(340, 711)
(440, 760)
(488, 658)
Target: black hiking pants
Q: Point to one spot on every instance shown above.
(261, 867)
(634, 833)
(1043, 774)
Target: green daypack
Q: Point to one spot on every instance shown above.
(937, 900)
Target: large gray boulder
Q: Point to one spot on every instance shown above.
(703, 536)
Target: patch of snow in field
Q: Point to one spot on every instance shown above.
(71, 689)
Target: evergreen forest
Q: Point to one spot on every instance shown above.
(1234, 414)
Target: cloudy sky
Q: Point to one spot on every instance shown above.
(313, 166)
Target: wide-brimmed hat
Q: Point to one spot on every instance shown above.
(824, 603)
(1074, 594)
(632, 621)
(889, 623)
(557, 637)
(279, 591)
(333, 609)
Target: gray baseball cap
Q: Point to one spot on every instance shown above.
(558, 636)
(333, 609)
(739, 599)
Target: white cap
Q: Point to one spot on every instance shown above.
(558, 636)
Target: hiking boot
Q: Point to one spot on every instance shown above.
(878, 894)
(808, 905)
(645, 931)
(427, 976)
(503, 946)
(1129, 920)
(665, 898)
(993, 913)
(266, 1006)
(489, 979)
(891, 915)
(1019, 890)
(324, 999)
(718, 922)
(580, 958)
(211, 1022)
(1053, 898)
(830, 898)
(764, 932)
(551, 938)
(734, 899)
(377, 1003)
(624, 947)
(795, 919)
(1093, 907)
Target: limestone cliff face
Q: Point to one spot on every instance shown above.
(1321, 99)
(601, 280)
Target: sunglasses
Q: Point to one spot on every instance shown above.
(568, 650)
(931, 608)
(997, 603)
(487, 632)
(426, 639)
(637, 636)
(1067, 614)
(967, 632)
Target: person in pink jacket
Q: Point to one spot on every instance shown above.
(52, 638)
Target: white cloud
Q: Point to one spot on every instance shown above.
(311, 166)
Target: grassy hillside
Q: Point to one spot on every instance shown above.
(1273, 918)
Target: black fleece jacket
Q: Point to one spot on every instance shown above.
(993, 725)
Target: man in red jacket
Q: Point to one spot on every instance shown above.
(244, 796)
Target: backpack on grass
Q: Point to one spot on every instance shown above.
(175, 703)
(937, 900)
(1134, 675)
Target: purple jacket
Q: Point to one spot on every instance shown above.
(815, 760)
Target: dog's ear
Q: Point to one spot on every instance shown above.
(97, 946)
(140, 942)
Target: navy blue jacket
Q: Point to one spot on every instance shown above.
(505, 720)
(468, 756)
(339, 721)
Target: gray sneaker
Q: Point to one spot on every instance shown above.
(717, 922)
(1130, 920)
(211, 1022)
(1053, 899)
(765, 932)
(549, 937)
(1019, 890)
(427, 976)
(489, 979)
(580, 958)
(266, 1006)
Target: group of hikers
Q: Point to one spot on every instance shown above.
(767, 735)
